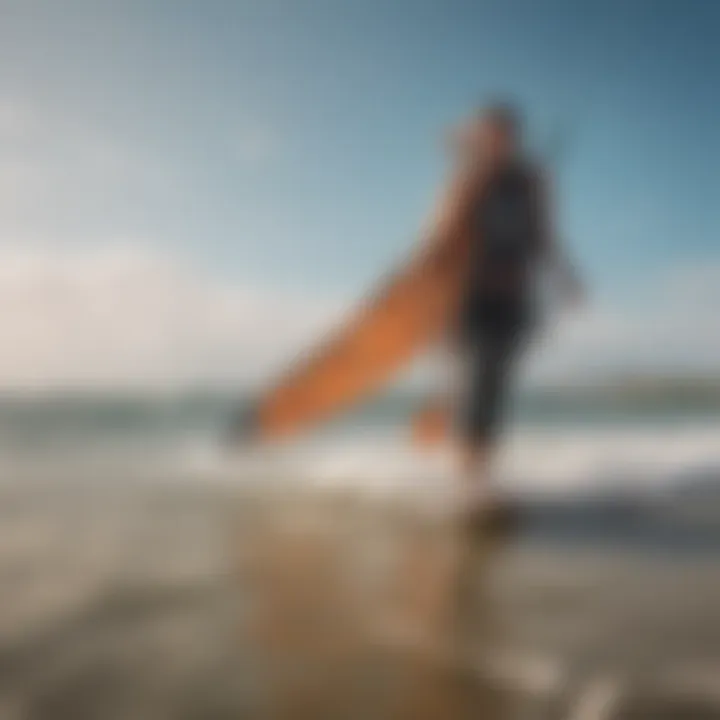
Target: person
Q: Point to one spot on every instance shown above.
(501, 200)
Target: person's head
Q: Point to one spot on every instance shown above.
(499, 128)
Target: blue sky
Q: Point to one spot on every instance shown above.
(294, 144)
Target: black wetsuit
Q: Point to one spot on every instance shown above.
(498, 300)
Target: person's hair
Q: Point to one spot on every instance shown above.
(506, 116)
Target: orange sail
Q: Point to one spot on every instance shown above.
(410, 311)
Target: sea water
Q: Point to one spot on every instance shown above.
(125, 520)
(658, 451)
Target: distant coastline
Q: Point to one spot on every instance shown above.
(635, 385)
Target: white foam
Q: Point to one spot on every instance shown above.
(532, 460)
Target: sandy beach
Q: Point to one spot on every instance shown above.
(207, 602)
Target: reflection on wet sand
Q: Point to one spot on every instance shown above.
(208, 603)
(387, 640)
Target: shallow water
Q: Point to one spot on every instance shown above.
(170, 601)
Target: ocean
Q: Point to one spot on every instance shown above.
(136, 551)
(661, 446)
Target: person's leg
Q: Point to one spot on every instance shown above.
(478, 520)
(475, 456)
(486, 394)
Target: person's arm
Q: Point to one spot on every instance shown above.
(553, 253)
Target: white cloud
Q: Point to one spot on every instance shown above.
(669, 324)
(124, 315)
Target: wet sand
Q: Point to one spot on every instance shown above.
(198, 602)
